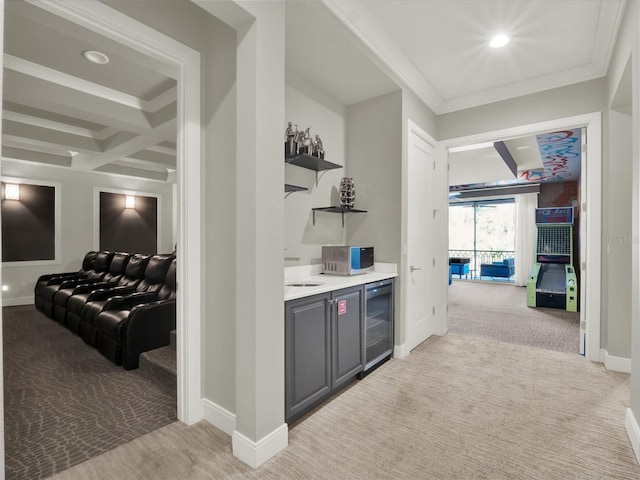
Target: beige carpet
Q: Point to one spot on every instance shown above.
(500, 312)
(456, 408)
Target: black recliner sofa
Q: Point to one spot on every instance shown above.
(96, 274)
(136, 323)
(133, 275)
(155, 275)
(44, 280)
(135, 292)
(114, 273)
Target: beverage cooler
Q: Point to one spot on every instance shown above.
(378, 331)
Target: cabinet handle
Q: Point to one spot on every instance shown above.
(413, 269)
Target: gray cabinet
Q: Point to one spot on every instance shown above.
(324, 340)
(347, 332)
(307, 353)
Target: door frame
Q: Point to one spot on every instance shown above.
(591, 259)
(185, 61)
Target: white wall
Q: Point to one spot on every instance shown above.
(307, 107)
(77, 230)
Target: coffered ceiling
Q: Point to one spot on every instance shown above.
(60, 109)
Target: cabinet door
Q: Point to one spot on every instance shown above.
(347, 352)
(307, 353)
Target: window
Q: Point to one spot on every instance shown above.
(483, 231)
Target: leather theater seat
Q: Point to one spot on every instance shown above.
(137, 323)
(155, 275)
(111, 278)
(133, 275)
(100, 268)
(44, 280)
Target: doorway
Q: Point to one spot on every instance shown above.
(185, 64)
(591, 194)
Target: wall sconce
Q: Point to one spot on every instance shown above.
(129, 201)
(11, 191)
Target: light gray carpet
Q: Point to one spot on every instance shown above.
(456, 408)
(66, 403)
(500, 312)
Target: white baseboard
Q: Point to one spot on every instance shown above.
(617, 364)
(14, 302)
(255, 454)
(633, 430)
(218, 417)
(400, 351)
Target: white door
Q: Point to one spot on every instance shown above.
(419, 267)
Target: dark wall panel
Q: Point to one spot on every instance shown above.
(29, 225)
(126, 229)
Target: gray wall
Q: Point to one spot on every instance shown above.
(374, 150)
(216, 43)
(616, 241)
(77, 229)
(308, 107)
(375, 157)
(627, 56)
(415, 110)
(581, 98)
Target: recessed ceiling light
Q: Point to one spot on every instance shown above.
(95, 57)
(524, 147)
(499, 41)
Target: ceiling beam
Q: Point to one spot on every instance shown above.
(157, 158)
(504, 152)
(37, 157)
(42, 95)
(47, 135)
(50, 75)
(84, 161)
(133, 172)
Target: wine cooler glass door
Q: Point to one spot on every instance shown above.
(378, 322)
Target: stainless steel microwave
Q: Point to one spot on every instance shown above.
(347, 260)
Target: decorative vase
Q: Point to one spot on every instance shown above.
(347, 192)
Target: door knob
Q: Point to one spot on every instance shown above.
(413, 269)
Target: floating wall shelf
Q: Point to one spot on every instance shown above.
(289, 189)
(311, 163)
(341, 210)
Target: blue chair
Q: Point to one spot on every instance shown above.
(503, 269)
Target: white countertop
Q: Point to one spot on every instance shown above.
(329, 283)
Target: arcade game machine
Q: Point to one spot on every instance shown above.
(552, 280)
